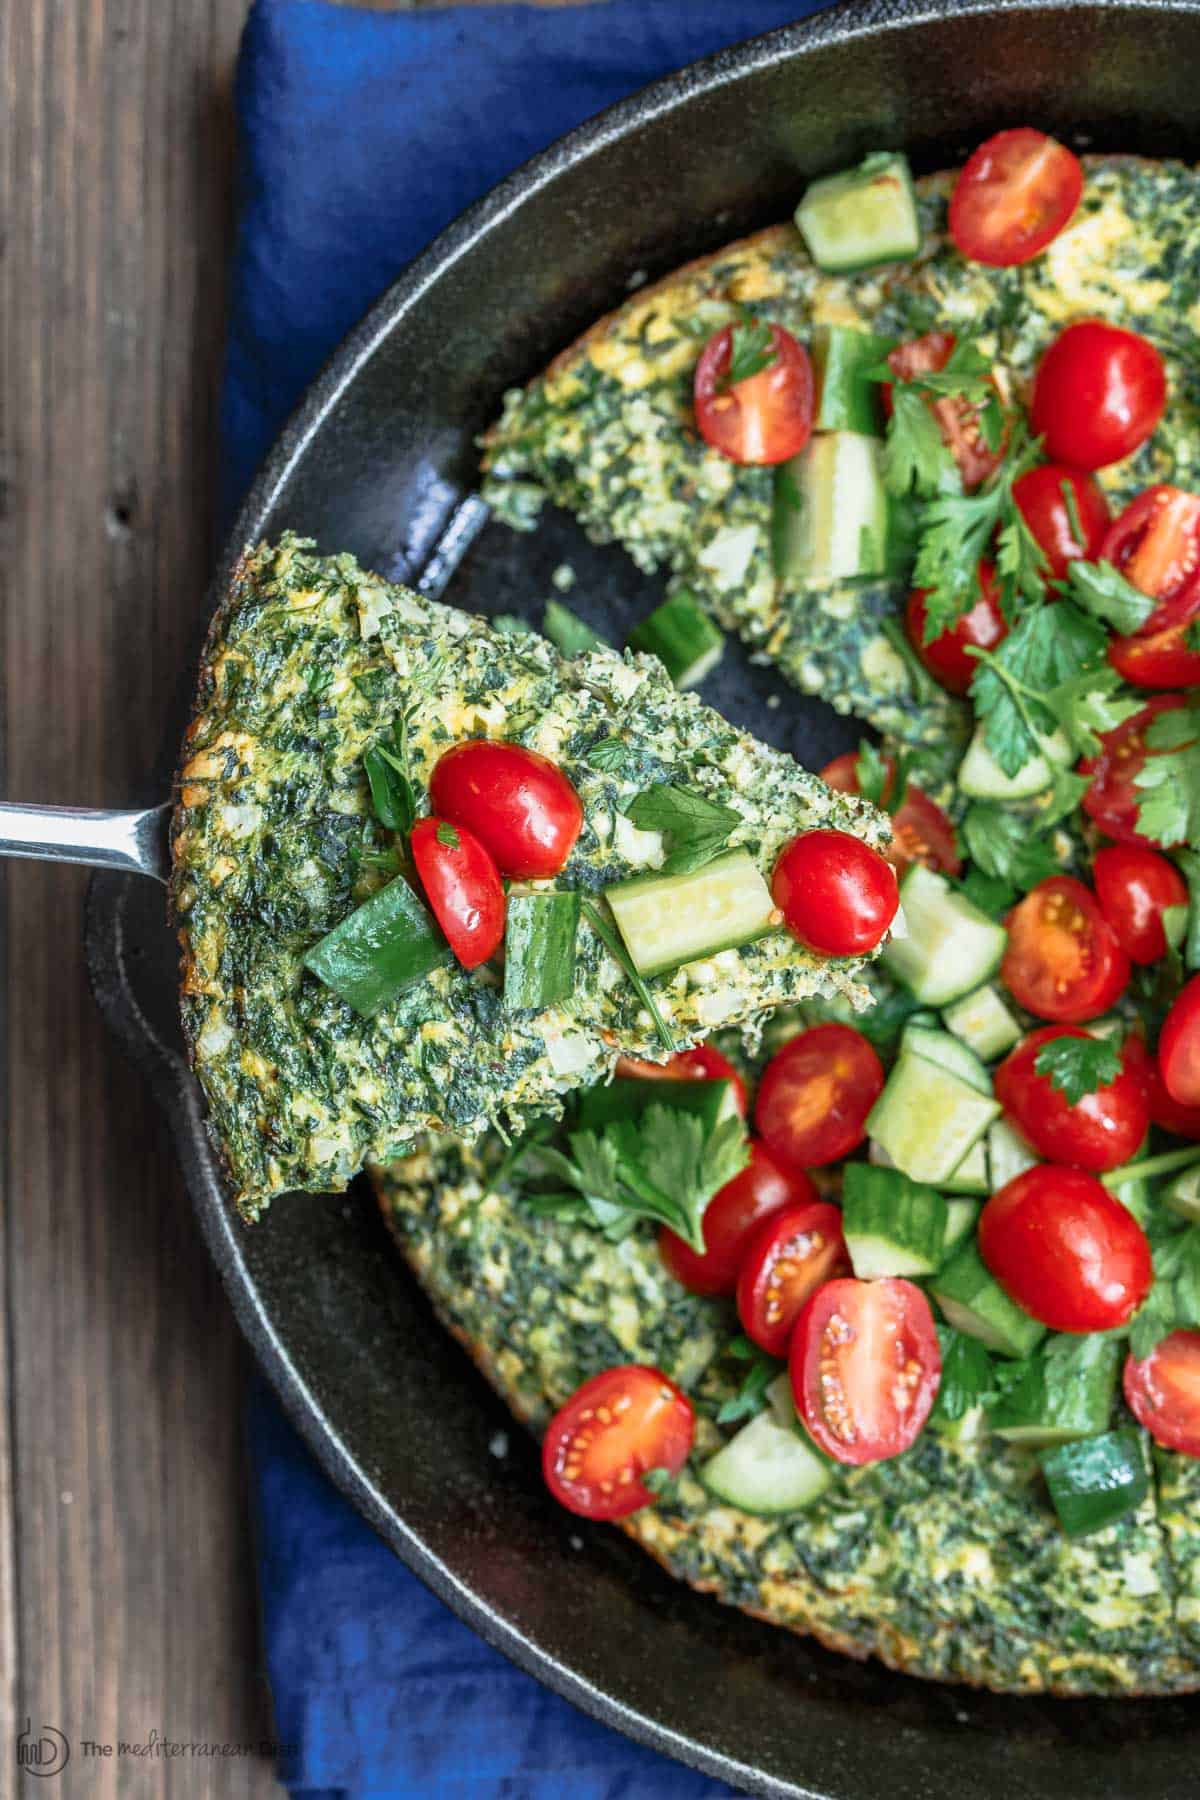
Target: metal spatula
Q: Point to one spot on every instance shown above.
(135, 842)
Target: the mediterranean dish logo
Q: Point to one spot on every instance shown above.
(42, 1752)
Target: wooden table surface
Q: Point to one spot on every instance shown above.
(126, 1582)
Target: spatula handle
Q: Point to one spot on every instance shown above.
(133, 841)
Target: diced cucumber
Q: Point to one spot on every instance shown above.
(1045, 1408)
(767, 1468)
(1133, 1193)
(962, 1216)
(927, 1119)
(666, 920)
(570, 635)
(981, 777)
(971, 1175)
(683, 638)
(1008, 1155)
(861, 216)
(949, 1053)
(1112, 1026)
(983, 1022)
(892, 1226)
(782, 1401)
(847, 400)
(829, 521)
(1182, 1193)
(628, 1096)
(1096, 1481)
(951, 946)
(385, 945)
(973, 1301)
(539, 949)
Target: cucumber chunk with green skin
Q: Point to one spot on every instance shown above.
(847, 399)
(540, 932)
(892, 1226)
(948, 1052)
(1054, 1404)
(962, 1216)
(927, 1119)
(981, 777)
(667, 920)
(570, 635)
(767, 1468)
(974, 1302)
(683, 638)
(983, 1022)
(861, 217)
(971, 1175)
(385, 945)
(1182, 1194)
(1097, 1480)
(1008, 1155)
(830, 516)
(628, 1097)
(950, 948)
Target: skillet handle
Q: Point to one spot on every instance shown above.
(135, 842)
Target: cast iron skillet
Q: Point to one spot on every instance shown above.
(378, 461)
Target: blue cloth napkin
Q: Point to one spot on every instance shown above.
(362, 135)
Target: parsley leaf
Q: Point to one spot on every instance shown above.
(1091, 704)
(1175, 924)
(696, 829)
(956, 532)
(389, 776)
(1020, 683)
(750, 1397)
(999, 842)
(750, 351)
(660, 1482)
(1169, 810)
(1078, 1065)
(611, 755)
(915, 458)
(1173, 1303)
(1103, 591)
(989, 893)
(968, 1375)
(447, 835)
(620, 955)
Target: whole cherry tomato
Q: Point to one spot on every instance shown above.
(1166, 1113)
(1100, 1131)
(1066, 513)
(1099, 393)
(731, 1219)
(1161, 661)
(1013, 196)
(1162, 1391)
(1113, 799)
(1179, 1046)
(947, 656)
(703, 1062)
(788, 1257)
(463, 886)
(958, 420)
(765, 417)
(921, 831)
(1155, 544)
(836, 894)
(519, 804)
(865, 1367)
(1062, 1247)
(815, 1095)
(613, 1430)
(1063, 960)
(1134, 886)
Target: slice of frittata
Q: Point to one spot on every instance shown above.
(310, 662)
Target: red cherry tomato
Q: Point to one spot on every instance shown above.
(703, 1062)
(1134, 886)
(1113, 799)
(519, 804)
(463, 886)
(958, 421)
(1013, 196)
(865, 1368)
(1099, 393)
(1161, 661)
(1062, 1247)
(1162, 1392)
(921, 831)
(1155, 543)
(1166, 1113)
(1099, 1132)
(1041, 498)
(1063, 960)
(788, 1257)
(612, 1431)
(946, 656)
(815, 1095)
(836, 894)
(731, 1218)
(767, 417)
(1179, 1046)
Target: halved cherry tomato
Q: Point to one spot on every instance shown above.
(703, 1062)
(519, 804)
(1113, 800)
(1013, 196)
(815, 1095)
(836, 894)
(1155, 543)
(462, 884)
(946, 656)
(788, 1257)
(865, 1368)
(1134, 886)
(1161, 661)
(1041, 498)
(1099, 393)
(767, 417)
(1063, 961)
(921, 831)
(958, 421)
(1162, 1392)
(731, 1219)
(1166, 1113)
(1099, 1132)
(1066, 1250)
(613, 1430)
(1179, 1046)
